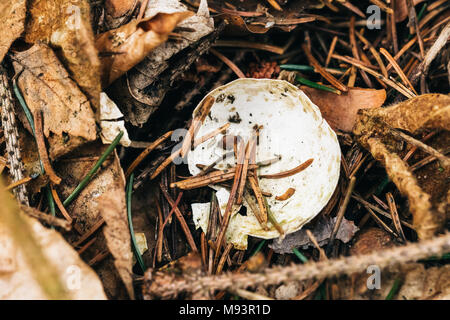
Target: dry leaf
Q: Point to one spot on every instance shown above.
(321, 231)
(123, 48)
(133, 92)
(103, 198)
(68, 118)
(37, 263)
(341, 110)
(66, 25)
(117, 12)
(12, 20)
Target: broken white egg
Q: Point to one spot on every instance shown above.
(110, 122)
(293, 129)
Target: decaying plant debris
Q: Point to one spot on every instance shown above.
(142, 160)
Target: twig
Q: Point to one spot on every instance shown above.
(333, 267)
(47, 218)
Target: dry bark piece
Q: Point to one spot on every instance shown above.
(66, 25)
(102, 199)
(68, 118)
(123, 48)
(341, 110)
(429, 111)
(12, 23)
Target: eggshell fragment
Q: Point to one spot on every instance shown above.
(293, 128)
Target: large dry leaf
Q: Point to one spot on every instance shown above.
(66, 25)
(341, 110)
(103, 198)
(123, 48)
(19, 279)
(68, 118)
(12, 20)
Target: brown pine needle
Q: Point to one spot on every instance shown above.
(59, 204)
(331, 51)
(382, 6)
(248, 45)
(395, 216)
(242, 182)
(42, 149)
(275, 5)
(389, 82)
(224, 256)
(228, 62)
(18, 183)
(180, 218)
(159, 241)
(197, 121)
(397, 68)
(289, 193)
(91, 231)
(331, 79)
(261, 215)
(353, 8)
(342, 209)
(231, 201)
(146, 152)
(374, 53)
(288, 173)
(176, 154)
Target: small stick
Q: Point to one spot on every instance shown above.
(425, 161)
(249, 295)
(180, 218)
(203, 248)
(209, 168)
(288, 173)
(146, 152)
(42, 149)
